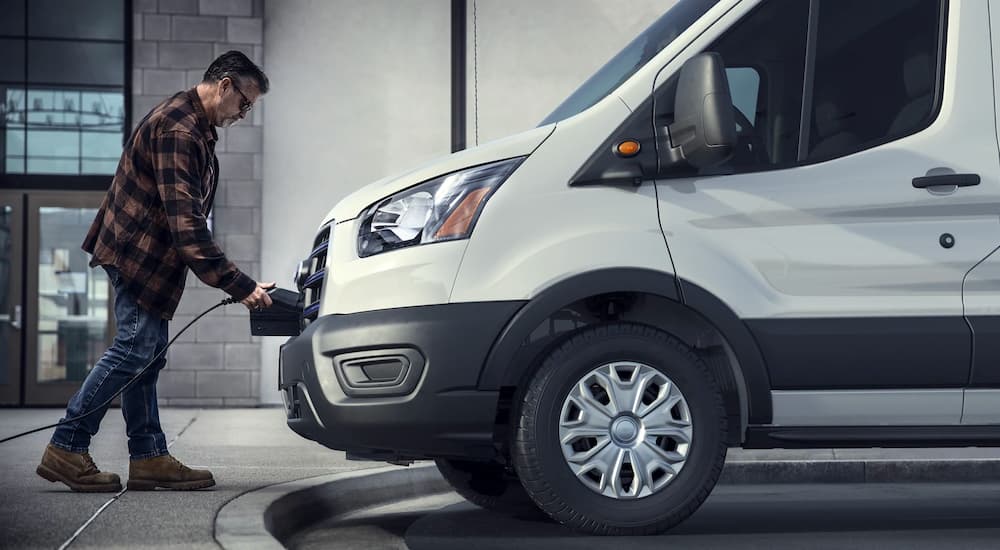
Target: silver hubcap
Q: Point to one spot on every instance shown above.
(625, 430)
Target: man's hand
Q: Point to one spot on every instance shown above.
(258, 299)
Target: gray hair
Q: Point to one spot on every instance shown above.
(236, 66)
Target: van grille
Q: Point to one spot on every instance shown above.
(311, 286)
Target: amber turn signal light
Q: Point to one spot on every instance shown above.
(458, 222)
(627, 148)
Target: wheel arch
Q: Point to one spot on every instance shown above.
(693, 315)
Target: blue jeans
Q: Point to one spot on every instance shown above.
(140, 336)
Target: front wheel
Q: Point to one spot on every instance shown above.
(622, 431)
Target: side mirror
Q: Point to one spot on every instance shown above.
(703, 133)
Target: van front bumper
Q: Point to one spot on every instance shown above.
(396, 384)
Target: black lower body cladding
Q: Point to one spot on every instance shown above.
(411, 387)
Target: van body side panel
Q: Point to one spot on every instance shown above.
(837, 267)
(981, 291)
(864, 352)
(986, 359)
(536, 230)
(982, 308)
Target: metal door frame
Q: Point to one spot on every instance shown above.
(55, 393)
(13, 362)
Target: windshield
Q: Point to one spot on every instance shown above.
(632, 58)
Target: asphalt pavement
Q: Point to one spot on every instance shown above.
(875, 516)
(274, 487)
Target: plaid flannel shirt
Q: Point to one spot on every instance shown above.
(153, 225)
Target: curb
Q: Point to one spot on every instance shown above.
(267, 518)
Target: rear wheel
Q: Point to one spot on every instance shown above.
(620, 432)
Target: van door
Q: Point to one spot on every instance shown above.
(864, 187)
(981, 294)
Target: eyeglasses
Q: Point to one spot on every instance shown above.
(245, 104)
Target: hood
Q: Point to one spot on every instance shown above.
(517, 145)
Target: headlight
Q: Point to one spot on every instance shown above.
(442, 209)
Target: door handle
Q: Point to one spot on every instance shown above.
(946, 180)
(14, 320)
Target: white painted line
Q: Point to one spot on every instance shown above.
(91, 520)
(86, 524)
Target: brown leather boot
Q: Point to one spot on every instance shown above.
(166, 471)
(77, 471)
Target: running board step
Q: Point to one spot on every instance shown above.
(819, 437)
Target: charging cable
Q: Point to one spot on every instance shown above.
(225, 302)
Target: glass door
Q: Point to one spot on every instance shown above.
(68, 325)
(11, 304)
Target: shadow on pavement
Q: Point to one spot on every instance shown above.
(854, 512)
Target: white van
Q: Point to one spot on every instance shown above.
(763, 224)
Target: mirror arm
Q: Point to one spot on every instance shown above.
(668, 155)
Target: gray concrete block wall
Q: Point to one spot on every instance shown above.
(178, 6)
(216, 363)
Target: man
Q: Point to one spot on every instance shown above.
(151, 228)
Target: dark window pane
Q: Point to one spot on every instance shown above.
(12, 137)
(11, 60)
(14, 142)
(52, 166)
(101, 145)
(71, 131)
(765, 59)
(102, 111)
(744, 88)
(97, 19)
(53, 108)
(13, 106)
(14, 165)
(53, 144)
(12, 17)
(48, 130)
(98, 167)
(875, 75)
(75, 63)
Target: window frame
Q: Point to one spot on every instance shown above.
(809, 88)
(805, 103)
(76, 182)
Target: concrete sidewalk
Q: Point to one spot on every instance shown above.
(246, 449)
(252, 449)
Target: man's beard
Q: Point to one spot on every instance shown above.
(228, 122)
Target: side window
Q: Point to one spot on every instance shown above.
(765, 57)
(875, 76)
(874, 71)
(744, 87)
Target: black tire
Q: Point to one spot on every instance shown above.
(488, 485)
(543, 469)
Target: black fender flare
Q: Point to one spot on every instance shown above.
(498, 370)
(743, 344)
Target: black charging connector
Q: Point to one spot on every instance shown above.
(283, 318)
